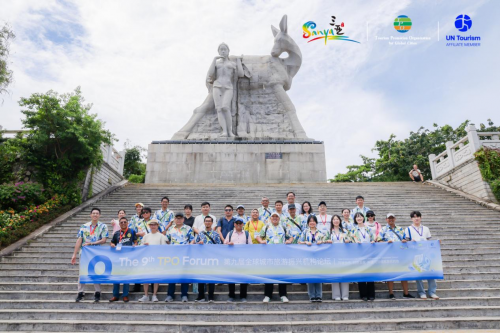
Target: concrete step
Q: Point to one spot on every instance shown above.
(276, 326)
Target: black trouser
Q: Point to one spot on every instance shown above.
(366, 289)
(268, 289)
(201, 290)
(243, 290)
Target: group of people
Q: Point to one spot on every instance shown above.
(288, 223)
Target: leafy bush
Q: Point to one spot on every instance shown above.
(10, 154)
(137, 178)
(132, 164)
(21, 195)
(489, 164)
(14, 226)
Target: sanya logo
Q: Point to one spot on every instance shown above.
(463, 23)
(402, 24)
(332, 33)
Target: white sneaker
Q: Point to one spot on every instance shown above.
(284, 299)
(337, 299)
(423, 296)
(345, 298)
(266, 299)
(154, 299)
(144, 299)
(434, 296)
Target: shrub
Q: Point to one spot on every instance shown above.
(14, 226)
(489, 164)
(137, 178)
(21, 195)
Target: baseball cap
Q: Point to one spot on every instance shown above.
(239, 220)
(390, 215)
(275, 213)
(322, 203)
(153, 221)
(291, 206)
(240, 206)
(179, 214)
(139, 204)
(370, 212)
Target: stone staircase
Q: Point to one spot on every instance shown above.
(38, 283)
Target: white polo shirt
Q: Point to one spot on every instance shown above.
(417, 234)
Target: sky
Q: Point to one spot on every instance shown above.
(142, 64)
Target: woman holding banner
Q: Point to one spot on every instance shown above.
(337, 235)
(362, 234)
(313, 236)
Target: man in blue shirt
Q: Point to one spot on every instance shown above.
(226, 223)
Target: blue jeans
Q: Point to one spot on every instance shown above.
(184, 289)
(315, 290)
(116, 289)
(431, 284)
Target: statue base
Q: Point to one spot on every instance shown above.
(236, 162)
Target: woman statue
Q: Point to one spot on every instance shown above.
(223, 74)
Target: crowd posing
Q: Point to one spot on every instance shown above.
(288, 223)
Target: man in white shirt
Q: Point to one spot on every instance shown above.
(324, 220)
(290, 198)
(360, 208)
(199, 221)
(238, 236)
(416, 175)
(419, 233)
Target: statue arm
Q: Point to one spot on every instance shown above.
(239, 67)
(212, 71)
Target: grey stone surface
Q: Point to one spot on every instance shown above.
(260, 107)
(235, 163)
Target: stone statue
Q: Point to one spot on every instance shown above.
(247, 95)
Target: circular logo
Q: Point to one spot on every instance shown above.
(463, 23)
(402, 24)
(129, 235)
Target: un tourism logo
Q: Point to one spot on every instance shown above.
(402, 24)
(463, 23)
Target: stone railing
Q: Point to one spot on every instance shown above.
(114, 158)
(457, 168)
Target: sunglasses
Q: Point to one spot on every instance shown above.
(228, 210)
(123, 222)
(370, 215)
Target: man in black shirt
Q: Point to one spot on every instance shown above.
(123, 237)
(188, 217)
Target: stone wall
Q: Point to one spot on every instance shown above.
(236, 163)
(99, 180)
(467, 178)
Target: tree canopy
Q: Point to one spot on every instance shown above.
(6, 34)
(397, 157)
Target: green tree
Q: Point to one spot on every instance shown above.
(396, 157)
(6, 34)
(133, 162)
(64, 139)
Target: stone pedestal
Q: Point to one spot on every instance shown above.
(236, 162)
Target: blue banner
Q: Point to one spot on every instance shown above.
(262, 263)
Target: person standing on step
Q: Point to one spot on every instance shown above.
(239, 236)
(207, 236)
(143, 226)
(415, 175)
(290, 198)
(278, 208)
(123, 237)
(240, 210)
(392, 233)
(360, 208)
(361, 234)
(164, 215)
(346, 223)
(274, 233)
(306, 211)
(372, 224)
(226, 223)
(153, 237)
(188, 215)
(199, 221)
(293, 224)
(339, 235)
(179, 234)
(92, 233)
(312, 235)
(116, 222)
(324, 220)
(265, 211)
(134, 225)
(420, 233)
(254, 226)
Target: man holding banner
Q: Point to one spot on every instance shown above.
(92, 233)
(274, 233)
